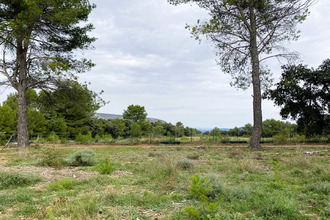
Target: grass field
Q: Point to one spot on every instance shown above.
(166, 182)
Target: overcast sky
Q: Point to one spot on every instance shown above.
(145, 56)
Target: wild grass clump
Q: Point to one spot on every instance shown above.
(83, 157)
(62, 184)
(276, 206)
(218, 188)
(237, 153)
(105, 166)
(162, 169)
(51, 157)
(231, 166)
(155, 154)
(320, 188)
(13, 180)
(194, 156)
(184, 164)
(301, 162)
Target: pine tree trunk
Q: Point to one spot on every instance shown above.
(257, 113)
(22, 121)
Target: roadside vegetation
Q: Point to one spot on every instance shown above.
(165, 182)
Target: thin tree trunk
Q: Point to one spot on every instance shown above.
(257, 113)
(22, 122)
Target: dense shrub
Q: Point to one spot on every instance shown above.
(83, 157)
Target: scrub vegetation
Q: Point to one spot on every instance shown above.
(165, 182)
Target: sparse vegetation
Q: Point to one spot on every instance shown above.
(223, 183)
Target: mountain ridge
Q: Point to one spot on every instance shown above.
(114, 116)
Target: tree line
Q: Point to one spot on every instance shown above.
(68, 113)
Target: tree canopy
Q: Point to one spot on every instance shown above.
(245, 33)
(37, 39)
(304, 95)
(135, 113)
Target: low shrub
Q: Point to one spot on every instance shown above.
(237, 153)
(12, 180)
(51, 157)
(280, 139)
(62, 184)
(105, 167)
(185, 164)
(83, 157)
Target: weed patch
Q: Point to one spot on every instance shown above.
(14, 180)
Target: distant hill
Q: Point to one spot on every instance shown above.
(114, 116)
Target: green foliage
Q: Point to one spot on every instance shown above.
(7, 119)
(193, 213)
(135, 113)
(135, 131)
(280, 138)
(73, 102)
(12, 180)
(51, 157)
(202, 189)
(199, 187)
(303, 95)
(83, 157)
(105, 167)
(62, 184)
(53, 138)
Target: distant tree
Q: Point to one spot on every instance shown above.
(245, 33)
(135, 113)
(247, 129)
(179, 129)
(169, 129)
(37, 121)
(304, 95)
(74, 103)
(271, 127)
(216, 132)
(236, 131)
(145, 127)
(7, 119)
(135, 130)
(158, 130)
(37, 39)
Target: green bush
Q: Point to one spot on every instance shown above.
(83, 157)
(51, 157)
(105, 167)
(12, 180)
(280, 139)
(53, 138)
(199, 187)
